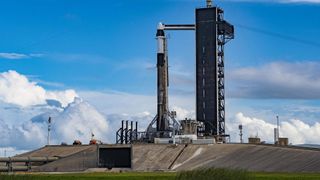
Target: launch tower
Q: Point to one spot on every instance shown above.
(212, 32)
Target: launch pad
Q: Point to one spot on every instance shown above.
(212, 32)
(177, 145)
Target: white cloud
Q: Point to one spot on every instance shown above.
(17, 89)
(26, 106)
(25, 109)
(15, 56)
(76, 121)
(24, 136)
(296, 130)
(10, 151)
(300, 80)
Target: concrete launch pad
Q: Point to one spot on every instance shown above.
(169, 157)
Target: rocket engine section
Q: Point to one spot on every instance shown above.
(162, 81)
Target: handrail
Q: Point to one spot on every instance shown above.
(28, 159)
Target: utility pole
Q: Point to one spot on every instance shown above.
(278, 128)
(49, 129)
(275, 136)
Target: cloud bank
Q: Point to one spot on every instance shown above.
(279, 80)
(296, 130)
(26, 107)
(77, 121)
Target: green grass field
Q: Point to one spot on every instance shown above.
(286, 176)
(210, 174)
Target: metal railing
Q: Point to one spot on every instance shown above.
(10, 164)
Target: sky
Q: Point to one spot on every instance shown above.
(90, 64)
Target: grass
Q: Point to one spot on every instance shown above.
(287, 176)
(214, 173)
(200, 174)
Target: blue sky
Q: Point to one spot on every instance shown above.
(111, 45)
(106, 52)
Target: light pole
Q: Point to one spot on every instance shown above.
(49, 129)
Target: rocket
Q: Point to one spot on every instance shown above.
(162, 81)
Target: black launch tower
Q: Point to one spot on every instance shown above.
(212, 33)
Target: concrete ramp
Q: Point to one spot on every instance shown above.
(155, 157)
(250, 157)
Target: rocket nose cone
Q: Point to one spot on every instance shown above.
(160, 26)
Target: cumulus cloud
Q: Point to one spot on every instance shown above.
(300, 80)
(76, 121)
(23, 136)
(15, 56)
(296, 130)
(17, 89)
(26, 106)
